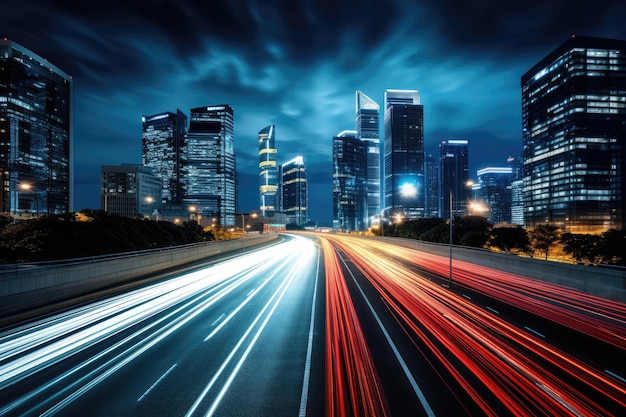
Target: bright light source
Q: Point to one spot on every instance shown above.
(408, 190)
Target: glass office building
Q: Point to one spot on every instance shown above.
(36, 134)
(163, 141)
(350, 182)
(210, 170)
(404, 154)
(295, 197)
(454, 177)
(368, 130)
(495, 194)
(574, 133)
(431, 186)
(268, 172)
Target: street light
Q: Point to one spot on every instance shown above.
(468, 184)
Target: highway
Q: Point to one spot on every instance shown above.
(324, 325)
(234, 338)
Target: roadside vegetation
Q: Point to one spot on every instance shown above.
(545, 241)
(91, 233)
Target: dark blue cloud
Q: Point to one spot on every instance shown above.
(297, 64)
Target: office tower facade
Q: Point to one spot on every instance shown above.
(130, 190)
(295, 200)
(268, 172)
(404, 154)
(36, 134)
(495, 193)
(163, 142)
(453, 177)
(368, 130)
(431, 186)
(210, 170)
(350, 182)
(574, 134)
(517, 189)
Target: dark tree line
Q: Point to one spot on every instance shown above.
(475, 231)
(90, 233)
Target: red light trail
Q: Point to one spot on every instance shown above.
(528, 375)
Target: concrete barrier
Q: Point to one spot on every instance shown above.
(24, 287)
(600, 281)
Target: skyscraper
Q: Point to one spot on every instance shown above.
(574, 133)
(268, 171)
(36, 133)
(350, 163)
(517, 190)
(210, 171)
(453, 177)
(404, 154)
(431, 186)
(495, 191)
(295, 201)
(368, 130)
(163, 142)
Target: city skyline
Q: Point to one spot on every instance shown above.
(301, 75)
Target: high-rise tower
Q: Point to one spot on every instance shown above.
(268, 171)
(574, 132)
(163, 142)
(295, 201)
(210, 171)
(368, 130)
(404, 154)
(350, 160)
(36, 134)
(453, 177)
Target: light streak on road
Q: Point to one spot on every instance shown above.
(80, 349)
(524, 372)
(352, 384)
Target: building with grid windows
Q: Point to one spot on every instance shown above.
(350, 182)
(130, 190)
(36, 134)
(295, 196)
(162, 144)
(368, 130)
(574, 134)
(453, 177)
(404, 154)
(210, 171)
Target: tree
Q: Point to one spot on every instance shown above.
(509, 239)
(471, 231)
(5, 220)
(612, 247)
(582, 247)
(544, 236)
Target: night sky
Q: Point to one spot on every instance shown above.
(297, 64)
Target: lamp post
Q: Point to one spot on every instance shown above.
(468, 184)
(192, 212)
(450, 278)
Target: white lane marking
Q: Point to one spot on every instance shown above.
(613, 374)
(249, 297)
(405, 368)
(309, 349)
(242, 339)
(534, 331)
(156, 383)
(466, 296)
(251, 291)
(218, 319)
(492, 310)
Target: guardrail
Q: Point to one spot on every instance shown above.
(603, 281)
(25, 287)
